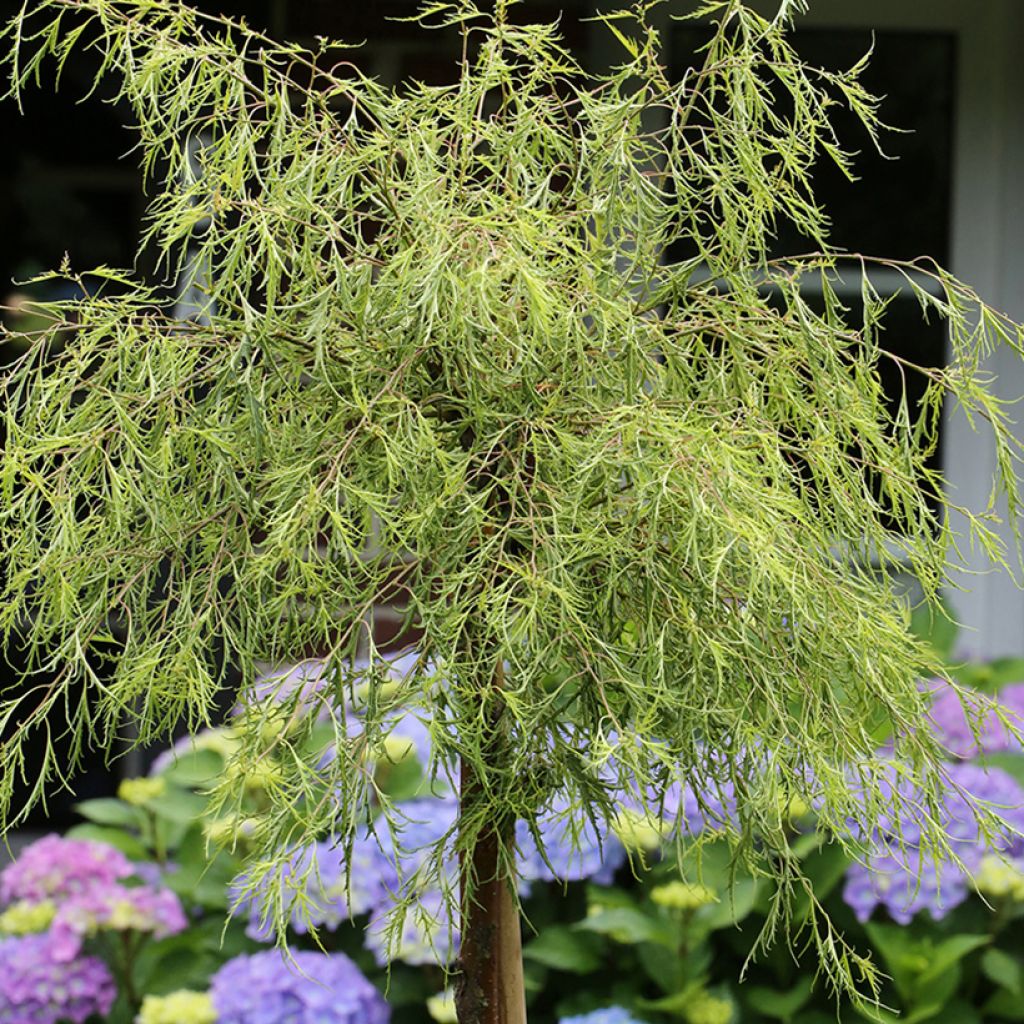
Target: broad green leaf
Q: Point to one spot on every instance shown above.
(630, 925)
(733, 906)
(564, 949)
(671, 969)
(824, 869)
(779, 1005)
(195, 768)
(936, 625)
(178, 805)
(948, 953)
(958, 1012)
(110, 811)
(1003, 969)
(121, 840)
(1004, 1005)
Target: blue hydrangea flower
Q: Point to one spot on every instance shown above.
(427, 936)
(317, 871)
(610, 1015)
(312, 988)
(381, 864)
(37, 988)
(711, 808)
(572, 849)
(953, 729)
(419, 826)
(905, 883)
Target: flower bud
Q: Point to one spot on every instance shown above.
(683, 895)
(138, 792)
(183, 1005)
(27, 917)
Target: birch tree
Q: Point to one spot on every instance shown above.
(640, 510)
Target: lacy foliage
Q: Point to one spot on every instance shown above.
(637, 509)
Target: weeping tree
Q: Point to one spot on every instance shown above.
(513, 355)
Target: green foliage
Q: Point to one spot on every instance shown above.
(638, 510)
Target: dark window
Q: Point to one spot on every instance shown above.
(899, 206)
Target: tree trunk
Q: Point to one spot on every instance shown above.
(489, 988)
(490, 983)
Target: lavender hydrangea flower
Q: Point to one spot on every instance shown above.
(58, 869)
(306, 682)
(970, 784)
(381, 864)
(314, 988)
(37, 988)
(114, 907)
(708, 808)
(905, 883)
(303, 683)
(420, 825)
(952, 728)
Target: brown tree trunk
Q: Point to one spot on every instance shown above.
(489, 988)
(490, 983)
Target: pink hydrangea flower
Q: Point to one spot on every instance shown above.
(115, 907)
(54, 868)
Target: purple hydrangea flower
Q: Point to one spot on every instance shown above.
(381, 863)
(58, 869)
(303, 682)
(708, 808)
(306, 681)
(37, 988)
(114, 907)
(420, 825)
(904, 882)
(312, 988)
(610, 1015)
(952, 727)
(898, 875)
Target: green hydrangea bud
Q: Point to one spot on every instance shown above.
(385, 692)
(229, 830)
(683, 895)
(442, 1007)
(638, 831)
(223, 741)
(27, 917)
(180, 1006)
(396, 749)
(138, 792)
(996, 877)
(705, 1008)
(262, 774)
